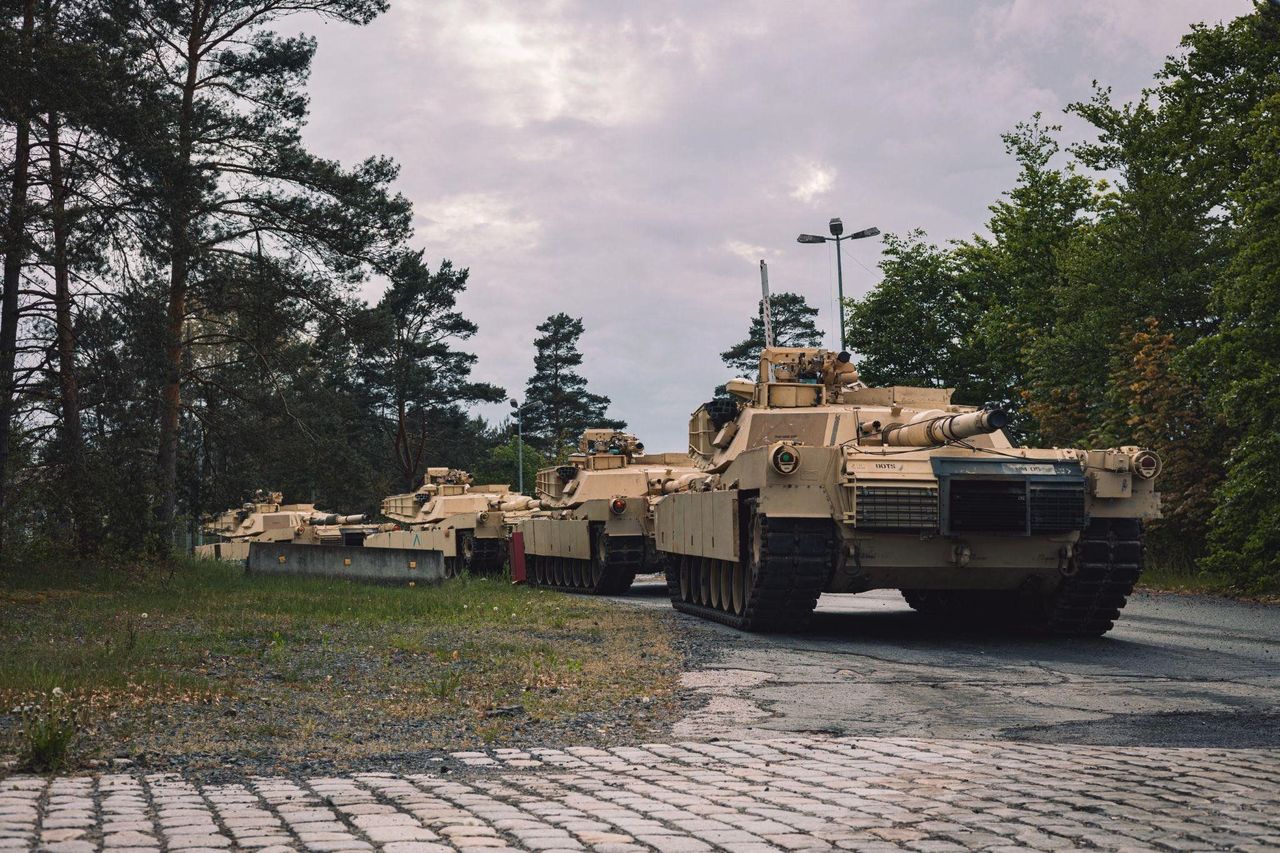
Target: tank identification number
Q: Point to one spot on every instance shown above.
(1028, 468)
(879, 466)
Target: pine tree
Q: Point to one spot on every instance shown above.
(793, 326)
(409, 364)
(227, 179)
(562, 407)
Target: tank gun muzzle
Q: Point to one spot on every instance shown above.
(931, 429)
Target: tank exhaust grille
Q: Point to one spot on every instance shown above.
(1057, 509)
(1014, 507)
(896, 509)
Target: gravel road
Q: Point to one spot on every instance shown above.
(1175, 671)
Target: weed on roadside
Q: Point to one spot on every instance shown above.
(47, 727)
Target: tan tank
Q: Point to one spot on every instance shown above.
(267, 518)
(823, 484)
(597, 531)
(470, 523)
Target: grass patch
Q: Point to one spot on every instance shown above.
(1156, 578)
(211, 665)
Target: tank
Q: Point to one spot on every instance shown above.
(822, 484)
(595, 532)
(469, 523)
(267, 518)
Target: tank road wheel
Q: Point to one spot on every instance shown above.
(726, 585)
(704, 582)
(1107, 562)
(713, 590)
(599, 562)
(466, 548)
(686, 584)
(450, 567)
(581, 570)
(738, 582)
(784, 565)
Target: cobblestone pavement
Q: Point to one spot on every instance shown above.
(793, 793)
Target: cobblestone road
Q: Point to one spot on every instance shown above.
(796, 793)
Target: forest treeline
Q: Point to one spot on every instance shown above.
(180, 323)
(1128, 293)
(180, 320)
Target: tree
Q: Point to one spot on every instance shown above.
(793, 326)
(227, 179)
(19, 107)
(911, 329)
(1243, 369)
(564, 407)
(499, 464)
(409, 365)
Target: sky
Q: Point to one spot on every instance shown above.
(631, 163)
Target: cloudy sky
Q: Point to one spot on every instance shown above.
(631, 163)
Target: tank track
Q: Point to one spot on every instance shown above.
(795, 564)
(1107, 563)
(624, 557)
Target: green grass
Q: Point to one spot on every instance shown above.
(1156, 578)
(211, 661)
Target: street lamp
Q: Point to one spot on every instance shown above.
(837, 229)
(519, 411)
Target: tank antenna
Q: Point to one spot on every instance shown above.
(764, 304)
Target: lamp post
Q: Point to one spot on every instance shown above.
(837, 229)
(519, 410)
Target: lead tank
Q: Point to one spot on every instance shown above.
(267, 518)
(469, 523)
(596, 531)
(822, 484)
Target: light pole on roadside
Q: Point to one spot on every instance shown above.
(837, 229)
(519, 411)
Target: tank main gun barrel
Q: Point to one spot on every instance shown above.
(939, 429)
(320, 518)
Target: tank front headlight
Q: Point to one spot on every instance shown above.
(785, 459)
(618, 506)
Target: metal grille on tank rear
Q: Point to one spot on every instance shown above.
(1057, 508)
(893, 508)
(988, 506)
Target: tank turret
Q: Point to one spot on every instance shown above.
(267, 518)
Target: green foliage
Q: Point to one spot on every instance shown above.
(499, 465)
(1243, 362)
(47, 726)
(793, 326)
(562, 407)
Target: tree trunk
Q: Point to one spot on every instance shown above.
(72, 436)
(181, 216)
(15, 239)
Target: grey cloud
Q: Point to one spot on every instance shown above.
(611, 159)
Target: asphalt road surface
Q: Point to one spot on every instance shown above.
(1175, 671)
